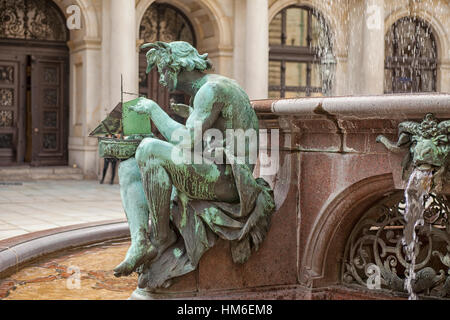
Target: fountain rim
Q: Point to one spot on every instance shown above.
(387, 106)
(18, 251)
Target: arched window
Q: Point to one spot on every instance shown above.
(31, 20)
(411, 57)
(375, 258)
(162, 22)
(300, 56)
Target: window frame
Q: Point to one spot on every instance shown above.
(397, 63)
(300, 54)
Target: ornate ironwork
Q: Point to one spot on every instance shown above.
(7, 74)
(411, 57)
(165, 23)
(6, 97)
(6, 118)
(375, 258)
(31, 20)
(49, 141)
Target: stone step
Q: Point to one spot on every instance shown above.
(27, 173)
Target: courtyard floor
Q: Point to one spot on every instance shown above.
(39, 205)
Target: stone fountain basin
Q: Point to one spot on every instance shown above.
(19, 251)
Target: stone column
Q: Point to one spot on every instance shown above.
(257, 49)
(373, 47)
(122, 50)
(239, 42)
(366, 47)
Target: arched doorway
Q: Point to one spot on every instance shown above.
(33, 83)
(411, 57)
(162, 22)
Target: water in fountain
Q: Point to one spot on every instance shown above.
(419, 185)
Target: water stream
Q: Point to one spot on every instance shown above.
(419, 185)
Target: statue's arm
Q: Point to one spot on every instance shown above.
(165, 124)
(206, 110)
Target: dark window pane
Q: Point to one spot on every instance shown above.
(50, 119)
(49, 141)
(6, 140)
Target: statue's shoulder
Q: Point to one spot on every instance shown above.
(221, 83)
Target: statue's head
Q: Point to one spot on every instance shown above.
(429, 147)
(173, 57)
(429, 144)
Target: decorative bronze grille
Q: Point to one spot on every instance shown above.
(411, 57)
(31, 20)
(163, 22)
(6, 74)
(6, 118)
(375, 258)
(6, 97)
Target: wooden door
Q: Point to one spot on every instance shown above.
(12, 108)
(49, 110)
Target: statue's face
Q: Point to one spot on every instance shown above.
(168, 78)
(430, 152)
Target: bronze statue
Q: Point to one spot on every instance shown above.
(189, 203)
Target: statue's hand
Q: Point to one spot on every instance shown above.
(144, 106)
(181, 109)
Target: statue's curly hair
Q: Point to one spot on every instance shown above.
(175, 55)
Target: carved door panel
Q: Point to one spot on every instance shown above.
(49, 110)
(12, 102)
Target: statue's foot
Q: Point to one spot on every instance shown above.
(136, 256)
(166, 243)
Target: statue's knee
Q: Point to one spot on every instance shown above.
(147, 149)
(128, 172)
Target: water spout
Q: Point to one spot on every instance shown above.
(419, 185)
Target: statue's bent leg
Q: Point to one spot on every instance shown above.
(136, 210)
(207, 181)
(158, 189)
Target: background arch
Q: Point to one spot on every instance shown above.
(439, 31)
(321, 260)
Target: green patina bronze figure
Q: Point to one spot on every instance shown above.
(190, 204)
(429, 148)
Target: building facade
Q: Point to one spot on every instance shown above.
(59, 79)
